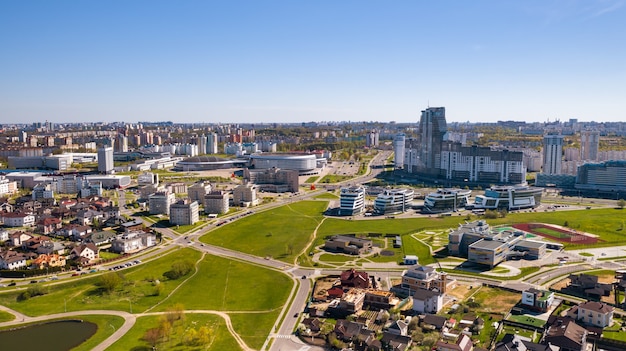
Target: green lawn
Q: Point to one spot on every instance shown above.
(106, 255)
(551, 232)
(333, 178)
(227, 285)
(327, 196)
(254, 329)
(182, 229)
(330, 258)
(280, 233)
(614, 332)
(137, 290)
(220, 339)
(311, 179)
(6, 316)
(528, 320)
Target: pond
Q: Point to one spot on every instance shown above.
(53, 336)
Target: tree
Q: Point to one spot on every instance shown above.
(621, 203)
(179, 269)
(153, 336)
(109, 281)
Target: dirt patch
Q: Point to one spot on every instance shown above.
(561, 284)
(387, 253)
(460, 292)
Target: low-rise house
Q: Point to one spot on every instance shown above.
(427, 301)
(346, 330)
(588, 286)
(352, 301)
(513, 342)
(132, 242)
(35, 242)
(435, 322)
(398, 327)
(6, 207)
(537, 300)
(463, 343)
(19, 237)
(354, 279)
(48, 225)
(75, 232)
(101, 238)
(380, 299)
(48, 260)
(18, 219)
(348, 244)
(85, 252)
(394, 342)
(89, 217)
(594, 313)
(567, 335)
(425, 277)
(4, 235)
(12, 260)
(313, 325)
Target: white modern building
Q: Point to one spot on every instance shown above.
(352, 201)
(105, 159)
(394, 201)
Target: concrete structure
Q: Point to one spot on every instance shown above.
(481, 245)
(197, 191)
(273, 179)
(245, 195)
(216, 202)
(427, 301)
(394, 201)
(57, 162)
(509, 198)
(184, 212)
(352, 201)
(207, 163)
(589, 145)
(105, 160)
(608, 176)
(537, 300)
(348, 244)
(597, 314)
(552, 154)
(399, 152)
(148, 178)
(134, 241)
(446, 200)
(424, 277)
(303, 163)
(160, 202)
(432, 128)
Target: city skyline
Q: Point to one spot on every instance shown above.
(280, 61)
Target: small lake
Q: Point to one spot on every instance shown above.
(53, 336)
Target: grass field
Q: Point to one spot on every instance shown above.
(552, 233)
(222, 284)
(280, 233)
(220, 337)
(327, 196)
(6, 316)
(495, 300)
(527, 320)
(311, 179)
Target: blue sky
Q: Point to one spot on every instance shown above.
(296, 61)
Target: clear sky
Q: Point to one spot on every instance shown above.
(294, 60)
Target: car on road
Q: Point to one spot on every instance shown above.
(304, 277)
(295, 315)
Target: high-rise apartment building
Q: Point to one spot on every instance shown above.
(552, 154)
(589, 145)
(398, 149)
(105, 159)
(211, 144)
(432, 128)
